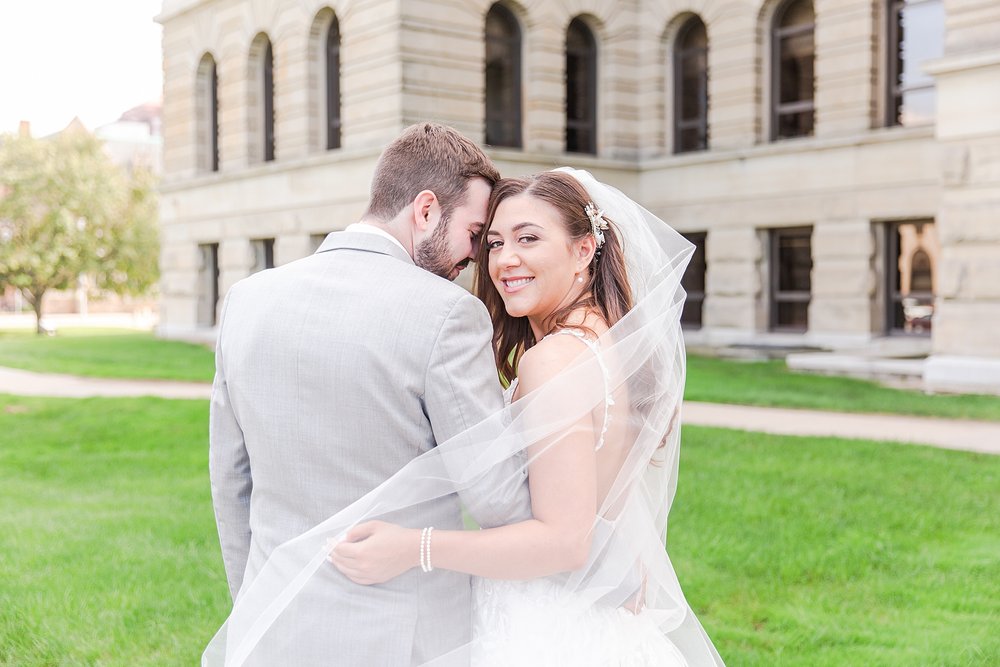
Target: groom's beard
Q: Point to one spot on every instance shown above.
(434, 255)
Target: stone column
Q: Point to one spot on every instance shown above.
(290, 247)
(966, 328)
(843, 280)
(733, 285)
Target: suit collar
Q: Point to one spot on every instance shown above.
(365, 243)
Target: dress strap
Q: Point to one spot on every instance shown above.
(608, 400)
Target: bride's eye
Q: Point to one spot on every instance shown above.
(493, 245)
(527, 238)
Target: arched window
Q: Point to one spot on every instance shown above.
(333, 85)
(915, 36)
(793, 53)
(268, 96)
(503, 78)
(691, 87)
(260, 100)
(207, 101)
(581, 88)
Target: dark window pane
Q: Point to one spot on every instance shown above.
(581, 89)
(693, 282)
(333, 86)
(793, 315)
(795, 124)
(214, 113)
(794, 263)
(268, 92)
(690, 139)
(263, 251)
(208, 284)
(503, 78)
(793, 55)
(691, 88)
(796, 68)
(791, 278)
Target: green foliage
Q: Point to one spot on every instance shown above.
(112, 353)
(66, 210)
(770, 383)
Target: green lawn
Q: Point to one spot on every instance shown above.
(770, 383)
(108, 550)
(125, 354)
(112, 353)
(808, 552)
(820, 552)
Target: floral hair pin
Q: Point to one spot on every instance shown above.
(598, 224)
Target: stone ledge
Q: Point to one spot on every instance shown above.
(980, 375)
(907, 371)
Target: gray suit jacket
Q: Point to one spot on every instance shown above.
(332, 373)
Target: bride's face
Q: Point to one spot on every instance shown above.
(533, 262)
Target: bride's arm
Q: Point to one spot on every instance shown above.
(562, 481)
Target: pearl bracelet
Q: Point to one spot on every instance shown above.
(425, 549)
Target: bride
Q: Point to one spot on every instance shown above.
(583, 286)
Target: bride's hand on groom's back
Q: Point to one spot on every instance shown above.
(375, 552)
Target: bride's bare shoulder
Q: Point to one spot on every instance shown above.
(547, 358)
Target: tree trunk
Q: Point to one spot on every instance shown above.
(34, 298)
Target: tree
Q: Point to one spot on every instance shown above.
(66, 210)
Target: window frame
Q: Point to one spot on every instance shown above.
(893, 89)
(332, 85)
(513, 47)
(267, 93)
(776, 295)
(589, 57)
(778, 35)
(891, 276)
(209, 251)
(700, 241)
(681, 54)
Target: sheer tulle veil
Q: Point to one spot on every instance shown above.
(641, 367)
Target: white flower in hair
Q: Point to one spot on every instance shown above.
(597, 222)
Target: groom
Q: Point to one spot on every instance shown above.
(334, 371)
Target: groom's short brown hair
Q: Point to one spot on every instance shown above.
(427, 156)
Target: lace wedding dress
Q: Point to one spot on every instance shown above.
(537, 622)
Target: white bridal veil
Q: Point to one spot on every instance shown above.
(641, 367)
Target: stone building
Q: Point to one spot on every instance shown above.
(836, 162)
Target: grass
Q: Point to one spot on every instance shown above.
(819, 552)
(126, 354)
(110, 353)
(793, 551)
(770, 383)
(108, 550)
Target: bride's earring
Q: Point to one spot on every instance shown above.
(579, 279)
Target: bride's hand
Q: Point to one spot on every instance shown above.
(375, 552)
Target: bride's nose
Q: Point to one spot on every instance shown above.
(508, 257)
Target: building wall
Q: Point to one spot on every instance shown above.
(423, 59)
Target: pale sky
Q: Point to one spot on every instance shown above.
(89, 58)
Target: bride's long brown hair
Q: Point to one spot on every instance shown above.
(606, 290)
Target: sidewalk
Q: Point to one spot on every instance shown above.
(972, 436)
(27, 383)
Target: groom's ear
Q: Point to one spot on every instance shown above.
(426, 211)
